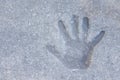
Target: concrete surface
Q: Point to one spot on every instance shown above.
(27, 26)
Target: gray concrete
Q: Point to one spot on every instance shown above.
(27, 26)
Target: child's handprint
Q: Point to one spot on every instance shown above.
(78, 52)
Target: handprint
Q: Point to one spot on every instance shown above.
(78, 52)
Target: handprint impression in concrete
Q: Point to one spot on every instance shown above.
(78, 52)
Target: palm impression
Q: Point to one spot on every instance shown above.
(78, 52)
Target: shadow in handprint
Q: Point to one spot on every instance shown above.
(78, 52)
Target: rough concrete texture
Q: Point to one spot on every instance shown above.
(27, 26)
